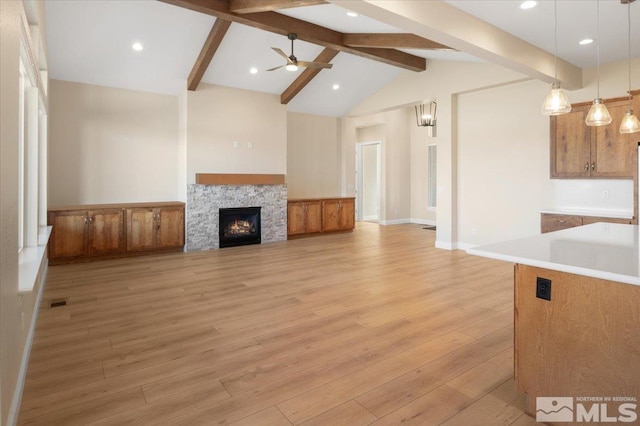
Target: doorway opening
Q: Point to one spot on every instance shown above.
(368, 181)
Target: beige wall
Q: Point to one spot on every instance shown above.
(217, 116)
(313, 156)
(111, 145)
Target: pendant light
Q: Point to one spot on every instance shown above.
(630, 123)
(598, 114)
(556, 102)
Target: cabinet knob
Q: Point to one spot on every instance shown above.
(593, 165)
(561, 221)
(586, 167)
(86, 220)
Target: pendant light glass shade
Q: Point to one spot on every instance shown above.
(630, 123)
(556, 102)
(598, 114)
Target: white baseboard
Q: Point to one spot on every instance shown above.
(12, 418)
(465, 246)
(371, 218)
(445, 245)
(394, 222)
(423, 221)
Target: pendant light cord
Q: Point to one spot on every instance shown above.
(555, 36)
(629, 45)
(598, 48)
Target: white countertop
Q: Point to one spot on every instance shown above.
(614, 214)
(607, 251)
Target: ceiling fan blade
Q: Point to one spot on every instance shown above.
(314, 64)
(281, 53)
(276, 68)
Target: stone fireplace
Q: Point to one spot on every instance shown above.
(205, 201)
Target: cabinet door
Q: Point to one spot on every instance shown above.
(141, 228)
(570, 144)
(331, 215)
(70, 234)
(347, 214)
(170, 227)
(611, 152)
(313, 216)
(106, 231)
(295, 218)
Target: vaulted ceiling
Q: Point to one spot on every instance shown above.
(219, 41)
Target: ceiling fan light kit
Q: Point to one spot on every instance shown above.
(292, 62)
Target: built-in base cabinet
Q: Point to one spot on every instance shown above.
(320, 215)
(82, 233)
(556, 222)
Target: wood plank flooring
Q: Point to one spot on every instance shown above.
(374, 327)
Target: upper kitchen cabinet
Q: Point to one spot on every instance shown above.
(580, 151)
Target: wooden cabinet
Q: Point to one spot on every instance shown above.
(338, 215)
(155, 228)
(320, 215)
(580, 151)
(556, 222)
(82, 233)
(304, 217)
(79, 233)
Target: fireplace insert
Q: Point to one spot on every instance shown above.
(239, 226)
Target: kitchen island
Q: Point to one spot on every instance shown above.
(577, 318)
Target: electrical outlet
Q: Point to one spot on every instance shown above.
(543, 288)
(605, 194)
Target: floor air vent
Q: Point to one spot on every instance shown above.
(58, 302)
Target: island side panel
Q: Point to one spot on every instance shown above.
(584, 342)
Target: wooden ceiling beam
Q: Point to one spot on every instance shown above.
(306, 76)
(256, 6)
(209, 49)
(392, 40)
(282, 24)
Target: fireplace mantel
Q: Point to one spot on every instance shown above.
(238, 179)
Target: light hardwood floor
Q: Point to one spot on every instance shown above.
(370, 327)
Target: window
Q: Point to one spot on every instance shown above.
(432, 175)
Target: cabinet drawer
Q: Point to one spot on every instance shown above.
(557, 222)
(586, 220)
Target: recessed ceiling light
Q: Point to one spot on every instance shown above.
(335, 86)
(529, 4)
(137, 46)
(586, 41)
(352, 14)
(253, 70)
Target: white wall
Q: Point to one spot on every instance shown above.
(313, 156)
(17, 310)
(503, 163)
(217, 116)
(111, 145)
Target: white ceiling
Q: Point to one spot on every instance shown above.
(90, 42)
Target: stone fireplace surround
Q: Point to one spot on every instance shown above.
(203, 202)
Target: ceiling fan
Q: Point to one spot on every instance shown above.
(292, 62)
